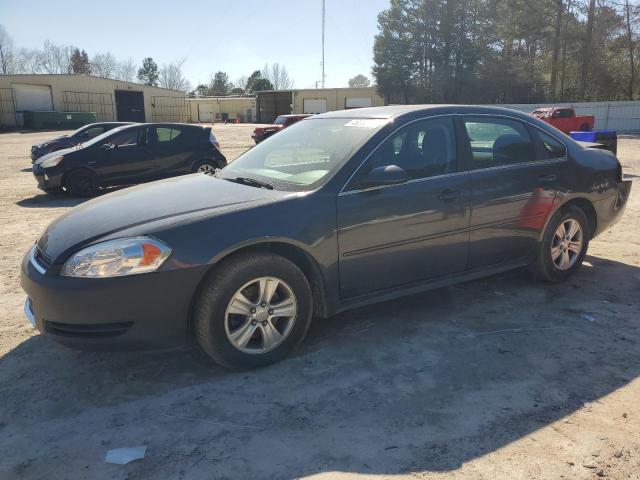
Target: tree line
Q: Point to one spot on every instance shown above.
(507, 51)
(271, 77)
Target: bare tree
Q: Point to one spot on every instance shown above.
(55, 58)
(277, 74)
(7, 53)
(28, 61)
(171, 76)
(126, 70)
(104, 65)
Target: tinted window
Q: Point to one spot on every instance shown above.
(163, 134)
(125, 138)
(565, 113)
(498, 141)
(423, 149)
(553, 147)
(280, 121)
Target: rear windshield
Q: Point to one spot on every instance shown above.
(303, 155)
(280, 121)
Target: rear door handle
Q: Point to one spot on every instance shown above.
(448, 195)
(548, 178)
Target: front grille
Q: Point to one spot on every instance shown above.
(42, 259)
(102, 330)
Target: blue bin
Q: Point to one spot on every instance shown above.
(608, 138)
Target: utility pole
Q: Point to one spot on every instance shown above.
(323, 15)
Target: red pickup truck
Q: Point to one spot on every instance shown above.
(564, 119)
(283, 121)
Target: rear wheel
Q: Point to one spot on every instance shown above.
(80, 183)
(253, 311)
(205, 166)
(564, 245)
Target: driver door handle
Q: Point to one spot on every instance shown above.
(448, 195)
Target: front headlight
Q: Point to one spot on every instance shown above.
(52, 162)
(115, 258)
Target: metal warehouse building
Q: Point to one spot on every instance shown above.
(221, 109)
(272, 103)
(109, 99)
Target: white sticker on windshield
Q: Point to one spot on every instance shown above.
(366, 122)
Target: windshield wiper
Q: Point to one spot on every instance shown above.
(251, 182)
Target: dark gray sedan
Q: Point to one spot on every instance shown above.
(340, 210)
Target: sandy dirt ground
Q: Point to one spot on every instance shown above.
(502, 378)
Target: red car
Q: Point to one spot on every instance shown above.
(565, 119)
(283, 121)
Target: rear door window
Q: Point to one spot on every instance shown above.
(165, 135)
(497, 141)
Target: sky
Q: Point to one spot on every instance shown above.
(236, 37)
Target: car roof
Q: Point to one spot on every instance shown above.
(395, 111)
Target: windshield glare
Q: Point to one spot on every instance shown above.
(304, 154)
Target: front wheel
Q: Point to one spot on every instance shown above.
(80, 183)
(252, 311)
(206, 166)
(563, 246)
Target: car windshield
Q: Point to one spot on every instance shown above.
(303, 155)
(80, 130)
(104, 136)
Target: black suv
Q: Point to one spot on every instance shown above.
(130, 154)
(83, 134)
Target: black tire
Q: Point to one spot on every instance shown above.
(544, 267)
(211, 163)
(219, 288)
(80, 183)
(55, 191)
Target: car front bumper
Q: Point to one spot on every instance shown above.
(47, 178)
(132, 312)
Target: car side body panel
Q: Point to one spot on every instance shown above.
(207, 221)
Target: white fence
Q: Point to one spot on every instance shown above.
(619, 116)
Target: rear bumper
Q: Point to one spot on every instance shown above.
(610, 210)
(135, 312)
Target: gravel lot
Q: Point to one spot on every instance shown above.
(502, 378)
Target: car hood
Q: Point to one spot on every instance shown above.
(174, 199)
(52, 141)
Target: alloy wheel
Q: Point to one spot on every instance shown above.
(260, 315)
(206, 168)
(567, 244)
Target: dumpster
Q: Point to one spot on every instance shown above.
(58, 120)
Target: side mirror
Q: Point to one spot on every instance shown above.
(388, 175)
(107, 146)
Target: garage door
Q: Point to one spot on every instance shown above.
(315, 105)
(358, 102)
(35, 98)
(205, 113)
